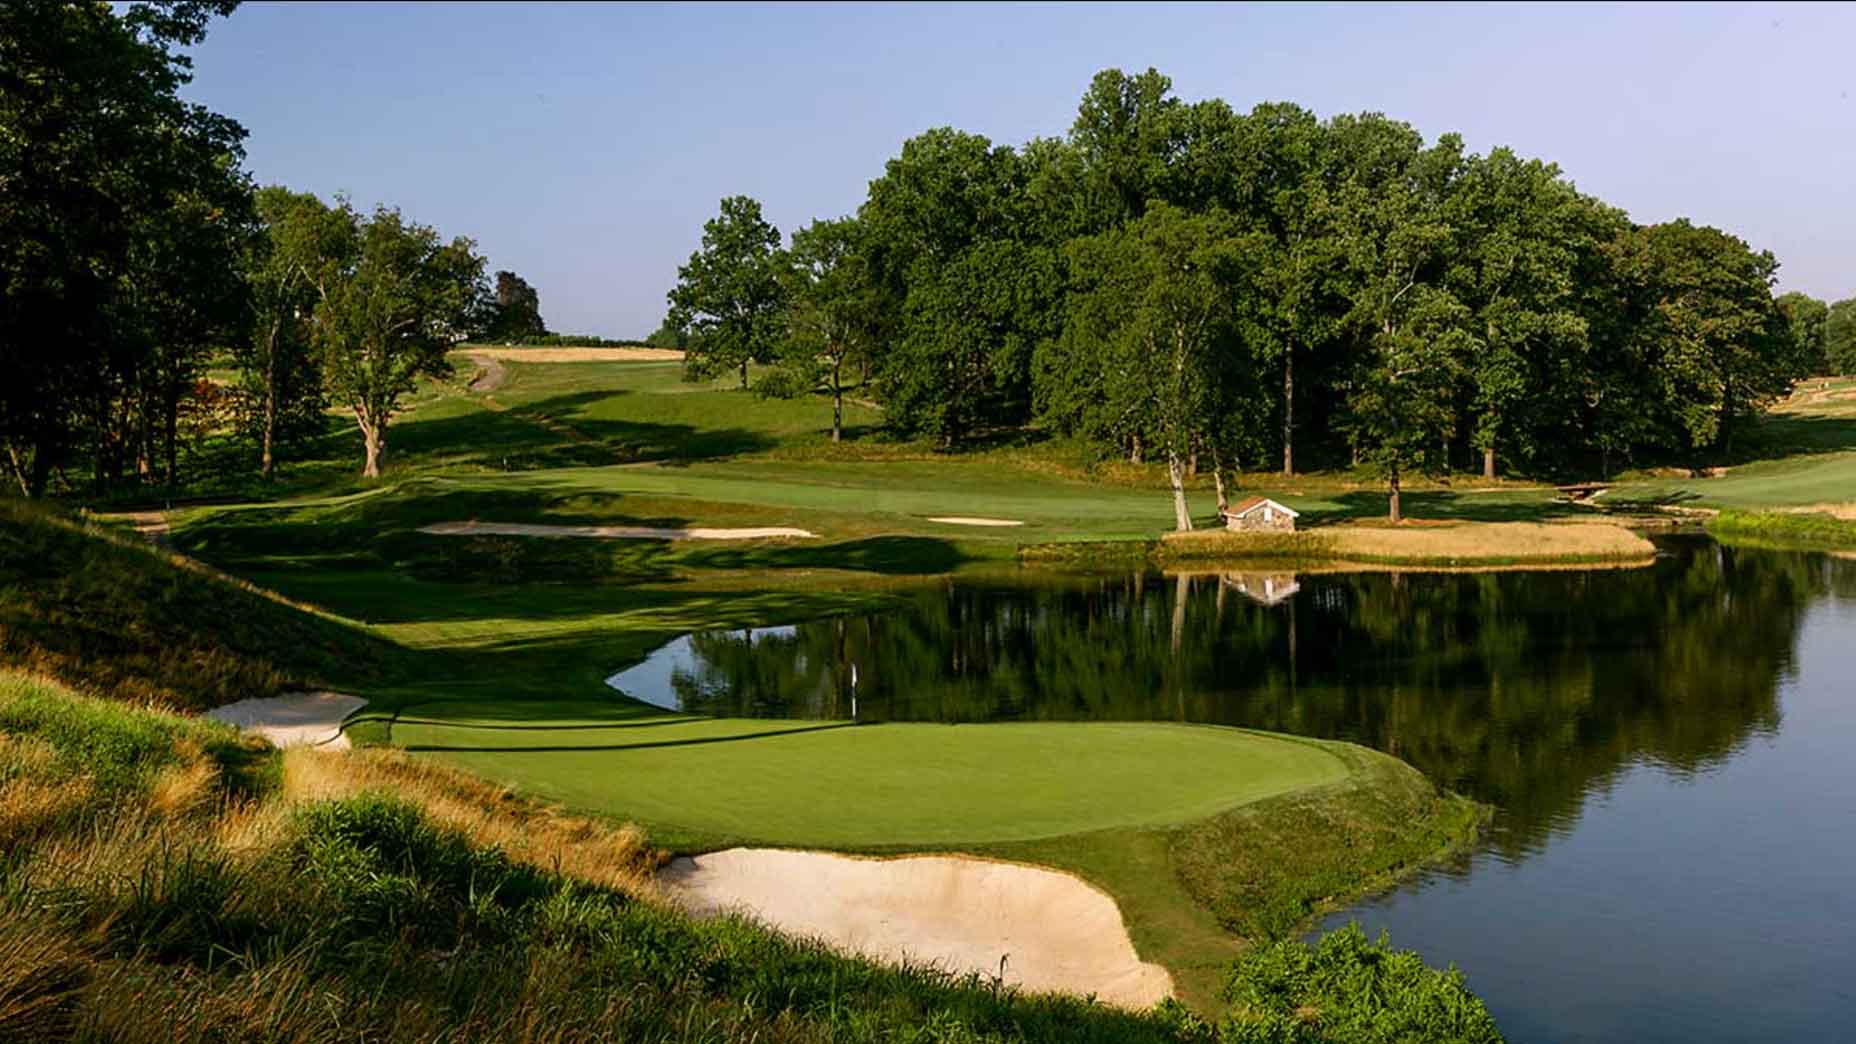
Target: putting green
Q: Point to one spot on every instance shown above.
(837, 784)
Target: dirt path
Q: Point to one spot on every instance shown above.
(613, 532)
(493, 375)
(1038, 929)
(151, 526)
(310, 719)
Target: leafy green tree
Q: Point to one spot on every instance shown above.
(1127, 133)
(1410, 337)
(668, 335)
(963, 360)
(515, 316)
(103, 166)
(1161, 313)
(728, 296)
(1840, 336)
(1521, 233)
(1702, 317)
(1805, 316)
(834, 306)
(392, 302)
(284, 261)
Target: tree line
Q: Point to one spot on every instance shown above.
(1261, 290)
(135, 252)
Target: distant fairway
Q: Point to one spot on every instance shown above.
(835, 784)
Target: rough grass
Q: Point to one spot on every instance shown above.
(99, 609)
(1824, 530)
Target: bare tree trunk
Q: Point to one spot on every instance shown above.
(1288, 411)
(1392, 483)
(837, 400)
(171, 432)
(1224, 501)
(1135, 456)
(1488, 463)
(744, 375)
(374, 435)
(266, 464)
(1176, 470)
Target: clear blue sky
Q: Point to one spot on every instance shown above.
(583, 146)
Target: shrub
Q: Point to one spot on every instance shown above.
(1349, 990)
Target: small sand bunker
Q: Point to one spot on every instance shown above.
(970, 520)
(613, 532)
(304, 719)
(1051, 931)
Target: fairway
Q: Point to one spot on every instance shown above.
(868, 786)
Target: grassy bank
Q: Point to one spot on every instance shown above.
(1784, 529)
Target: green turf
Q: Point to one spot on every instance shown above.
(834, 784)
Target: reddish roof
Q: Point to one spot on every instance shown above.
(1250, 504)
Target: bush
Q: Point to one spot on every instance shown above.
(1349, 990)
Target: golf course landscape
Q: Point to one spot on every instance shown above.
(1196, 570)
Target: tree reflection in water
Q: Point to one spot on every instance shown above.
(1525, 689)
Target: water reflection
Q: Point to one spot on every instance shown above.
(1528, 690)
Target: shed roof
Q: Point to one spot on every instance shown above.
(1245, 507)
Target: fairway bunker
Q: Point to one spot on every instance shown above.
(613, 532)
(1039, 929)
(971, 520)
(304, 719)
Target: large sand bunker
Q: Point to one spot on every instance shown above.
(306, 719)
(613, 532)
(1047, 930)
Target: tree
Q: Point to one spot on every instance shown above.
(1840, 337)
(963, 360)
(1128, 134)
(1409, 331)
(1521, 234)
(284, 262)
(1160, 309)
(1805, 316)
(101, 165)
(393, 303)
(728, 296)
(1702, 316)
(834, 308)
(515, 316)
(668, 335)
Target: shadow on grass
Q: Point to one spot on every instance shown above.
(571, 748)
(556, 433)
(889, 555)
(1446, 505)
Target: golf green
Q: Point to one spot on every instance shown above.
(838, 784)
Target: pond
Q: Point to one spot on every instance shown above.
(1669, 749)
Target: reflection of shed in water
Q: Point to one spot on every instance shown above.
(1262, 588)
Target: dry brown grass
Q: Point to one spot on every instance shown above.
(1424, 543)
(1845, 511)
(565, 355)
(1493, 541)
(528, 831)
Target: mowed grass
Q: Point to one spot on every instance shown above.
(710, 782)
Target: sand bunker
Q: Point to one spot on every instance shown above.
(1050, 930)
(969, 520)
(613, 532)
(304, 719)
(560, 355)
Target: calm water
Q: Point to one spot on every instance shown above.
(1672, 750)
